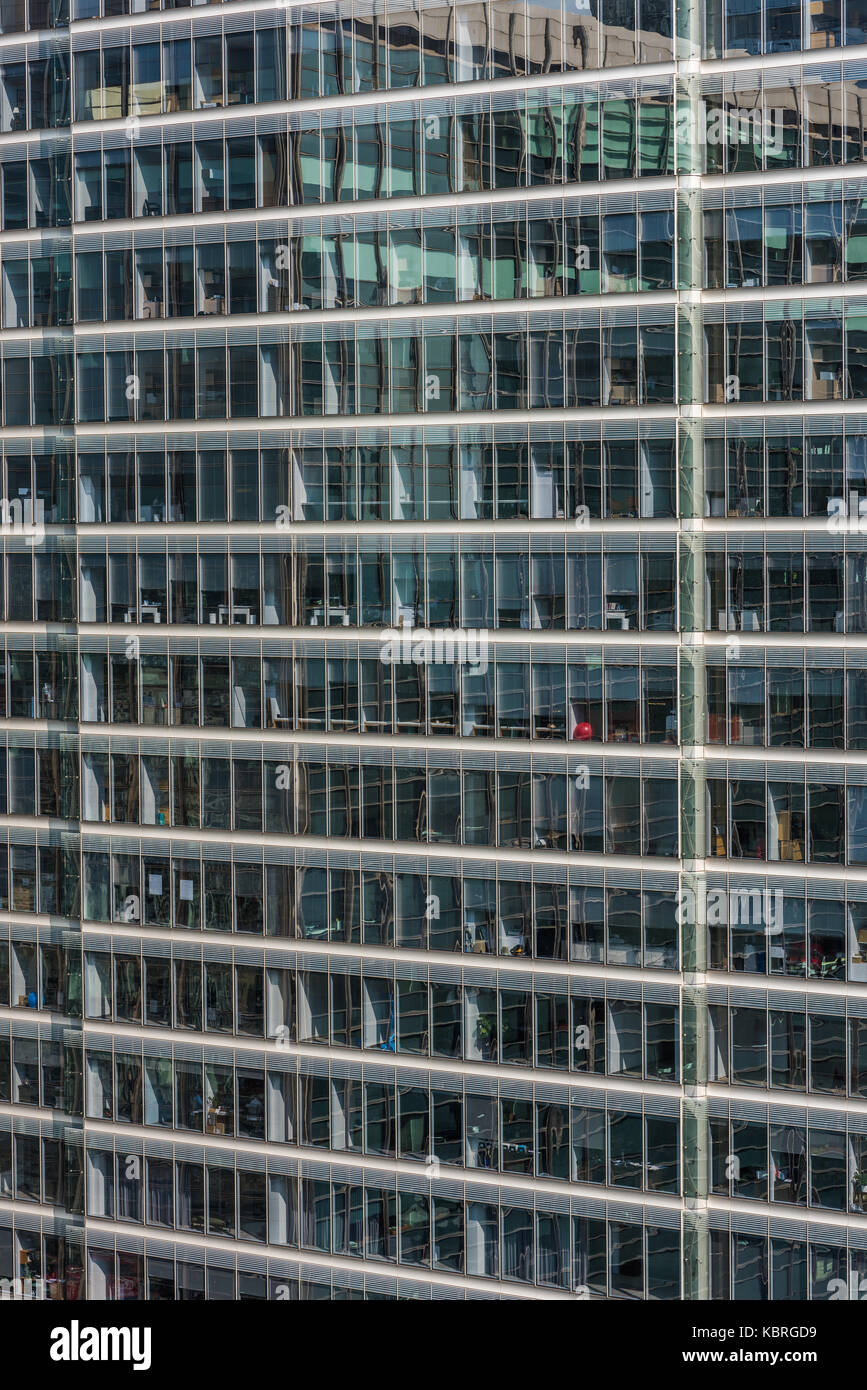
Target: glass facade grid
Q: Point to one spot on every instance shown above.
(502, 904)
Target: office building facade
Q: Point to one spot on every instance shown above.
(433, 814)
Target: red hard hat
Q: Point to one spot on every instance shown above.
(583, 731)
